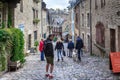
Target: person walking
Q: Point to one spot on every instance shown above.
(49, 54)
(41, 45)
(59, 47)
(70, 48)
(79, 45)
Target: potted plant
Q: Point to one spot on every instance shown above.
(36, 21)
(36, 43)
(37, 1)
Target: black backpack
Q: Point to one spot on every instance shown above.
(45, 46)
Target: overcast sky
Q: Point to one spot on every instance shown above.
(56, 3)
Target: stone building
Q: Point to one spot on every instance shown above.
(44, 28)
(84, 10)
(28, 19)
(56, 21)
(106, 26)
(66, 27)
(7, 12)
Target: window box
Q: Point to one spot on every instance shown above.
(36, 21)
(37, 1)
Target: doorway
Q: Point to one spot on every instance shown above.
(119, 38)
(112, 40)
(29, 41)
(88, 41)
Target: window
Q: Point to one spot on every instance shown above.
(76, 17)
(82, 20)
(96, 6)
(100, 34)
(83, 37)
(88, 20)
(36, 13)
(103, 3)
(82, 4)
(35, 35)
(29, 41)
(33, 13)
(21, 5)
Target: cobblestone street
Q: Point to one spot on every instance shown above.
(91, 68)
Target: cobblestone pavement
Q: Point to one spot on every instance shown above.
(91, 68)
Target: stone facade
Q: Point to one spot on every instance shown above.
(105, 25)
(66, 27)
(108, 14)
(28, 18)
(82, 22)
(44, 23)
(58, 18)
(6, 9)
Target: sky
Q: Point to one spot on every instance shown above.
(56, 4)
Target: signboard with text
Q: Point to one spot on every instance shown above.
(115, 60)
(21, 27)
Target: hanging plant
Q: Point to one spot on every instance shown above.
(36, 21)
(37, 1)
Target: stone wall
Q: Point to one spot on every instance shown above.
(107, 16)
(84, 28)
(25, 18)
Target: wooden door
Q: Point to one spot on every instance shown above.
(88, 41)
(112, 40)
(119, 38)
(29, 41)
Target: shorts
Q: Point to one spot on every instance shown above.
(50, 60)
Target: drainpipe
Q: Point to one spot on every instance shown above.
(90, 28)
(41, 20)
(72, 18)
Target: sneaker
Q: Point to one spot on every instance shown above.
(46, 75)
(50, 76)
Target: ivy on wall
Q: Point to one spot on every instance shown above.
(12, 44)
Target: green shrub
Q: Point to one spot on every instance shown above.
(4, 39)
(36, 43)
(12, 43)
(18, 45)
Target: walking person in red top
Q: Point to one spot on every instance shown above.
(41, 45)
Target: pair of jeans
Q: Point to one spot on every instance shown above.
(79, 54)
(59, 53)
(42, 56)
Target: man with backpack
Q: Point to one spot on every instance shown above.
(49, 54)
(79, 45)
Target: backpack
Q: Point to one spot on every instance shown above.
(45, 46)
